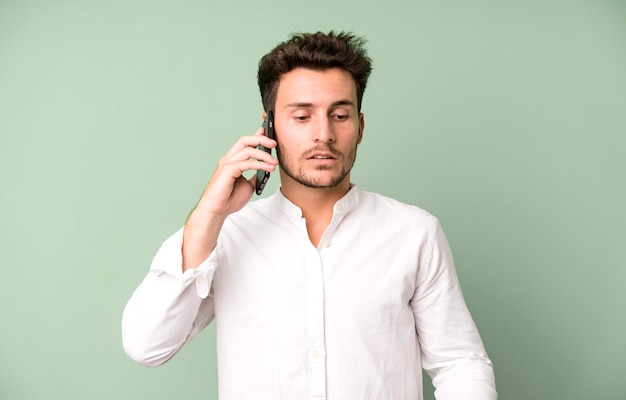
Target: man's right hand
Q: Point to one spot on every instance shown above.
(227, 192)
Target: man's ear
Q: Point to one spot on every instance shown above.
(361, 128)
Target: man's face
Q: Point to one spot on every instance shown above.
(317, 126)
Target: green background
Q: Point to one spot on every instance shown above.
(507, 120)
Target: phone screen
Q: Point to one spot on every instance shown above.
(263, 176)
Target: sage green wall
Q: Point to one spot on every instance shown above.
(505, 119)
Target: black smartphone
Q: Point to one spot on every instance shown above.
(263, 176)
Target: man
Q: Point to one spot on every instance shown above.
(320, 291)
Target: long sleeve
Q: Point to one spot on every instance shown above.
(168, 308)
(452, 350)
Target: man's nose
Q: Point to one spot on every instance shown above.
(324, 131)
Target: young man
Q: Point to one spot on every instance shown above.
(320, 291)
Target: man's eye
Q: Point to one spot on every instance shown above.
(301, 117)
(341, 117)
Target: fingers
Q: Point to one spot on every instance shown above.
(228, 190)
(248, 158)
(253, 141)
(245, 156)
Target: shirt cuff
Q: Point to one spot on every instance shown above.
(169, 260)
(203, 276)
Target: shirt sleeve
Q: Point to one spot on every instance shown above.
(169, 308)
(453, 354)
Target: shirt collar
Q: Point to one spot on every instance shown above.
(344, 205)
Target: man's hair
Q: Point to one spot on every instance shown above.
(317, 51)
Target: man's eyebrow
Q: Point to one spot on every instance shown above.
(343, 103)
(310, 105)
(299, 105)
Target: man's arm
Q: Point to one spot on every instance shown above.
(227, 192)
(167, 310)
(452, 350)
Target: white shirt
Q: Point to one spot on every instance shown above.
(354, 319)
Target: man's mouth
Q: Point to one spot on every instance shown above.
(322, 155)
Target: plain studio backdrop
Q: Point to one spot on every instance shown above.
(506, 119)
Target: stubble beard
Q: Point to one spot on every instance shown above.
(288, 166)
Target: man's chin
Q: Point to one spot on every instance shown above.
(322, 182)
(318, 178)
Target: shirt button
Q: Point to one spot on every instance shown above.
(317, 355)
(339, 207)
(326, 243)
(202, 286)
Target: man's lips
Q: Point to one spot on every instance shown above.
(321, 153)
(322, 156)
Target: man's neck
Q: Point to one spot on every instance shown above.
(317, 204)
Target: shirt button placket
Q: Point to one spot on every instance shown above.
(317, 352)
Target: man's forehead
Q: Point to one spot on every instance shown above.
(303, 87)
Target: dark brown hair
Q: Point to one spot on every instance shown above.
(317, 51)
